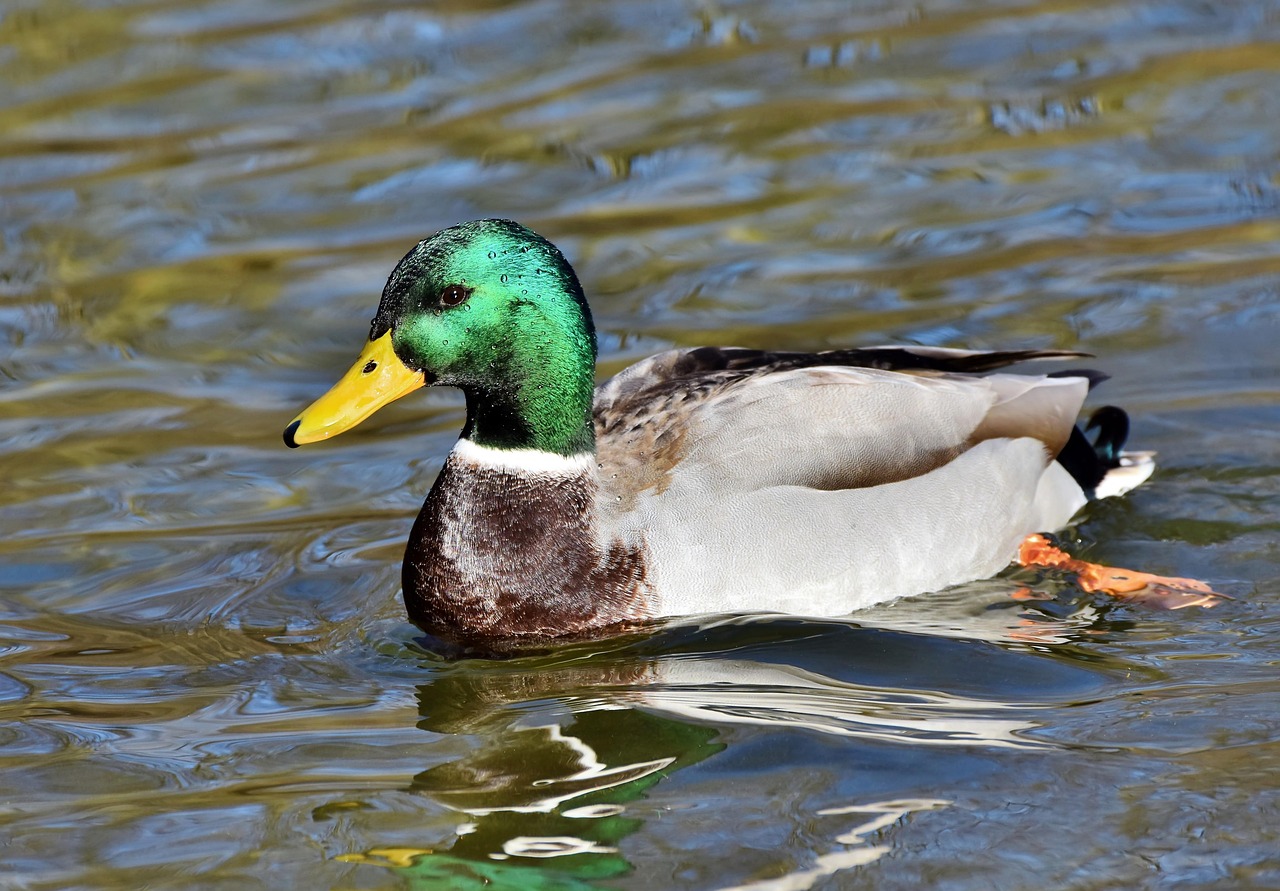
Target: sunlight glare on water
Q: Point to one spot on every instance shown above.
(207, 677)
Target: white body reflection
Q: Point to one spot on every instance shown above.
(744, 692)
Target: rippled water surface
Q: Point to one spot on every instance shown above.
(207, 678)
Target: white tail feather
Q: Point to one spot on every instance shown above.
(1134, 470)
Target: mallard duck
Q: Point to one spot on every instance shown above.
(705, 480)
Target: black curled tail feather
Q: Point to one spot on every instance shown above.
(1112, 425)
(1088, 462)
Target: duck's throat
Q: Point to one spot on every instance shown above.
(542, 415)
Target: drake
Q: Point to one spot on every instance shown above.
(699, 480)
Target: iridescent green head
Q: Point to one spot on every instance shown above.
(494, 309)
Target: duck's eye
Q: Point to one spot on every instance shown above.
(454, 295)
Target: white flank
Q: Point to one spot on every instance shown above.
(1134, 469)
(527, 462)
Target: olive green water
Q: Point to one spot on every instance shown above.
(207, 680)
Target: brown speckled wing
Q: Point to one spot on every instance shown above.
(832, 420)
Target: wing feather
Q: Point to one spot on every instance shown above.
(714, 420)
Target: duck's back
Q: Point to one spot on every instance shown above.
(820, 483)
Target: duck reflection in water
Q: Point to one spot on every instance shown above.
(569, 743)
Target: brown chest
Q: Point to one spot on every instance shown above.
(496, 555)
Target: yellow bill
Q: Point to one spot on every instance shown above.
(377, 378)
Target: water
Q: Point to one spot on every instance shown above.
(207, 679)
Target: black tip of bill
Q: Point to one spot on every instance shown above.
(288, 434)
